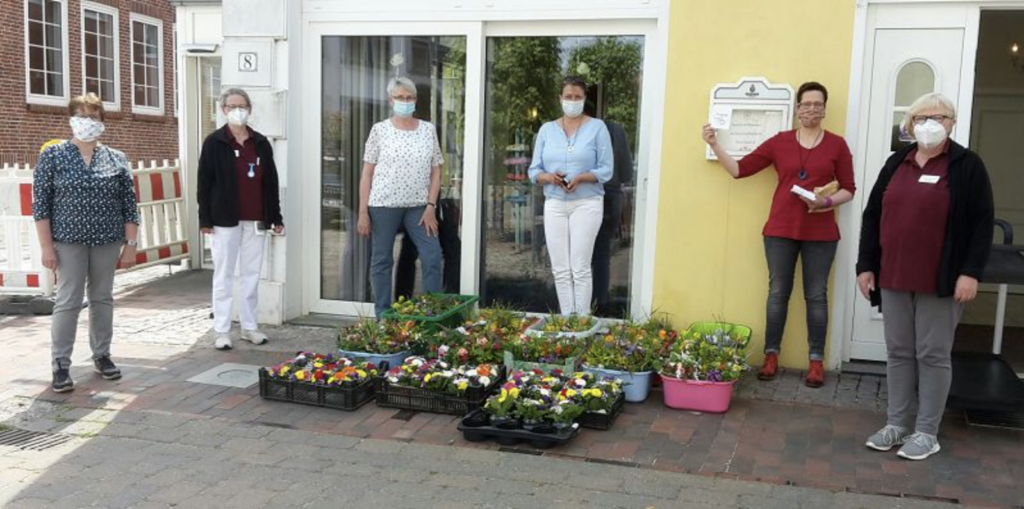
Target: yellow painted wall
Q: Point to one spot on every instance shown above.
(710, 256)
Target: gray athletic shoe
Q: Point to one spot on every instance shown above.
(887, 437)
(919, 446)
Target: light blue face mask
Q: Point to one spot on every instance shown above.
(404, 109)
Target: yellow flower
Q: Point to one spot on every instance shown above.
(514, 392)
(318, 364)
(300, 375)
(428, 377)
(463, 386)
(570, 392)
(361, 373)
(284, 370)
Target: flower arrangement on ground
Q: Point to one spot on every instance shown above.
(438, 375)
(323, 369)
(544, 349)
(632, 346)
(537, 398)
(572, 324)
(718, 355)
(498, 320)
(379, 336)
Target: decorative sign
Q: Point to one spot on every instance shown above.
(748, 112)
(248, 62)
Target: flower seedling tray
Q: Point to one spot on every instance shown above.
(603, 422)
(391, 359)
(342, 398)
(450, 318)
(511, 437)
(513, 365)
(414, 398)
(537, 330)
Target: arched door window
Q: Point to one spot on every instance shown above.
(914, 80)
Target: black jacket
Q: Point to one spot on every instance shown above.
(969, 227)
(218, 184)
(622, 157)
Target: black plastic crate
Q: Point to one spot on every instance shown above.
(341, 398)
(603, 422)
(423, 400)
(512, 437)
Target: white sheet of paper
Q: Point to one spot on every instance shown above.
(797, 190)
(721, 117)
(929, 179)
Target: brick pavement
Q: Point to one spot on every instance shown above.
(778, 436)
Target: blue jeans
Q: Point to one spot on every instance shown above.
(816, 259)
(384, 225)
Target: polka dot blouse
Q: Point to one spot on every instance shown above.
(403, 159)
(86, 205)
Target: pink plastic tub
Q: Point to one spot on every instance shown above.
(697, 395)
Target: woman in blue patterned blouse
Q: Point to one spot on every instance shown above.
(87, 221)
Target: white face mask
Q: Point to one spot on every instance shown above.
(86, 129)
(930, 134)
(572, 109)
(238, 116)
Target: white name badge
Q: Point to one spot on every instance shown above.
(929, 179)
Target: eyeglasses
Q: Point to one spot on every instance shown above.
(233, 107)
(811, 105)
(404, 98)
(921, 119)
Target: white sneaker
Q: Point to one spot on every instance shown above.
(254, 336)
(919, 446)
(223, 341)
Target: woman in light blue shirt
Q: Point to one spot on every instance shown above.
(572, 158)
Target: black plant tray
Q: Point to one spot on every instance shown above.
(594, 420)
(511, 437)
(341, 398)
(423, 400)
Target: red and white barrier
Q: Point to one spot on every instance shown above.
(163, 232)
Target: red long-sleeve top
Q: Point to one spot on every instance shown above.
(789, 217)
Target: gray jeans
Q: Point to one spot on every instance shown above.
(816, 259)
(384, 224)
(76, 265)
(919, 332)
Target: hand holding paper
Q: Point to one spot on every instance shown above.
(721, 117)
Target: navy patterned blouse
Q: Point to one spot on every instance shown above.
(86, 205)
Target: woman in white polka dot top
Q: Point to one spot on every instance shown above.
(399, 187)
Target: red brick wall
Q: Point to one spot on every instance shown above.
(26, 127)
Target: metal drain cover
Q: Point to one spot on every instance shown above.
(229, 374)
(31, 440)
(1010, 420)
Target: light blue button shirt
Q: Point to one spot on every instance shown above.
(591, 151)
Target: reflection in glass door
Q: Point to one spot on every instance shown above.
(524, 76)
(356, 70)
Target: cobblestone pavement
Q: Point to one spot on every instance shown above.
(153, 439)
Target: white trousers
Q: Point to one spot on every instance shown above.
(570, 228)
(236, 248)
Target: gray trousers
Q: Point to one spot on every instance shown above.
(919, 332)
(76, 265)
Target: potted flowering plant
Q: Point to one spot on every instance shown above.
(322, 380)
(704, 365)
(632, 352)
(498, 319)
(534, 413)
(482, 346)
(379, 340)
(566, 326)
(500, 406)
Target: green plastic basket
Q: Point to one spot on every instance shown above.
(513, 365)
(451, 318)
(738, 332)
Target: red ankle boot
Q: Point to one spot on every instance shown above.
(771, 365)
(815, 374)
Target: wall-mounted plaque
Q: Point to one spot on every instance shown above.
(746, 113)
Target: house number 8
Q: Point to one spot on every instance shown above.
(247, 62)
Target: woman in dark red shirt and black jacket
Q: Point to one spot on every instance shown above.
(239, 200)
(925, 238)
(809, 157)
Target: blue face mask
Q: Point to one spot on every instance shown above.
(404, 109)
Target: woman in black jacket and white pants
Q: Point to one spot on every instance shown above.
(925, 239)
(239, 198)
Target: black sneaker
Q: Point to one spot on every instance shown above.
(62, 381)
(106, 368)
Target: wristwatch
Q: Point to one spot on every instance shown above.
(133, 243)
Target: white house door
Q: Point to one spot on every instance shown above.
(906, 64)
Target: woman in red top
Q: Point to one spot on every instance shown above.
(809, 157)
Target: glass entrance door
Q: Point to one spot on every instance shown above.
(523, 83)
(355, 74)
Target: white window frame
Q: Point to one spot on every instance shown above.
(50, 100)
(114, 105)
(133, 18)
